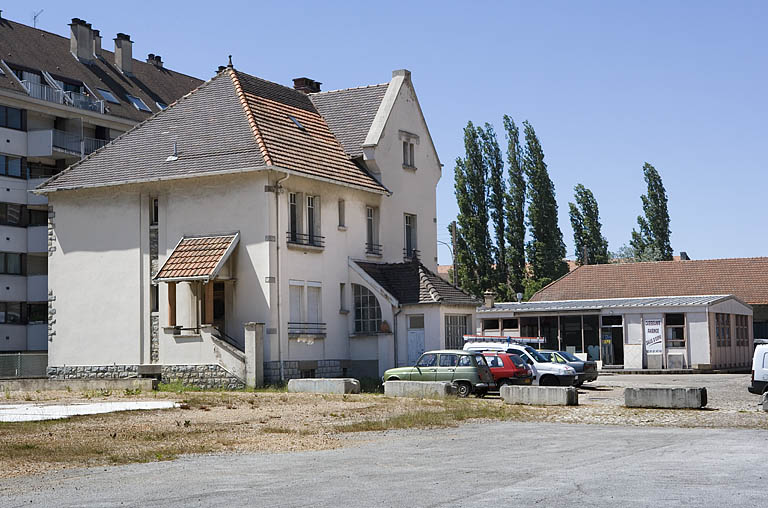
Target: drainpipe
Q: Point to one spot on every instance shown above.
(278, 280)
(394, 318)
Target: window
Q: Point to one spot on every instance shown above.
(410, 251)
(372, 231)
(674, 330)
(161, 105)
(11, 263)
(510, 324)
(154, 212)
(612, 321)
(296, 122)
(11, 214)
(12, 118)
(313, 220)
(742, 330)
(138, 103)
(108, 96)
(11, 166)
(37, 264)
(448, 360)
(723, 330)
(408, 155)
(37, 313)
(343, 297)
(341, 213)
(296, 297)
(465, 361)
(427, 360)
(367, 310)
(455, 329)
(490, 324)
(37, 217)
(293, 217)
(314, 303)
(494, 361)
(153, 298)
(10, 312)
(416, 322)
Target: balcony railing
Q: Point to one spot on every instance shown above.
(374, 249)
(296, 329)
(90, 145)
(410, 254)
(304, 239)
(51, 94)
(67, 142)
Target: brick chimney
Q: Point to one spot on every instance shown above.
(306, 85)
(124, 53)
(81, 40)
(96, 43)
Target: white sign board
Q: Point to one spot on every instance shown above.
(653, 336)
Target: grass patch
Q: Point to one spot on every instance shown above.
(179, 387)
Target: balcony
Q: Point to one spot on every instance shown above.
(411, 254)
(299, 330)
(301, 240)
(44, 143)
(373, 249)
(74, 99)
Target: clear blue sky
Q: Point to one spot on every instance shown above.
(607, 86)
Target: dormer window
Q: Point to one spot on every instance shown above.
(409, 141)
(296, 121)
(138, 103)
(108, 96)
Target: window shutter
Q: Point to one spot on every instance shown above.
(295, 295)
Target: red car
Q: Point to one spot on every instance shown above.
(508, 369)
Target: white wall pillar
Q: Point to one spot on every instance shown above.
(254, 354)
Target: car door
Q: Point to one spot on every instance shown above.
(426, 368)
(446, 366)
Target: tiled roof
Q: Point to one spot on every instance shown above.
(350, 113)
(234, 122)
(198, 257)
(27, 47)
(413, 283)
(745, 278)
(605, 303)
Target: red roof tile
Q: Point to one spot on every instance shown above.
(197, 257)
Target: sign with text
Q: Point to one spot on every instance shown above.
(653, 336)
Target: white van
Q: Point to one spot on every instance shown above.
(547, 373)
(759, 369)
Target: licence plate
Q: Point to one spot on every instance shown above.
(527, 381)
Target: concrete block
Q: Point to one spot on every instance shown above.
(319, 385)
(419, 389)
(666, 397)
(540, 395)
(654, 361)
(76, 385)
(764, 402)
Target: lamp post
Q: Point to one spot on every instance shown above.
(453, 260)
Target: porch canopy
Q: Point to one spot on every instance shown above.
(198, 258)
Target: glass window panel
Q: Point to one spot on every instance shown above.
(13, 312)
(13, 118)
(14, 166)
(13, 214)
(38, 313)
(108, 96)
(13, 264)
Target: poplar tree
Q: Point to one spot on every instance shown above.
(591, 245)
(494, 164)
(473, 245)
(651, 242)
(546, 249)
(515, 208)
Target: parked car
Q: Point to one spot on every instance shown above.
(586, 370)
(547, 373)
(468, 370)
(508, 369)
(759, 383)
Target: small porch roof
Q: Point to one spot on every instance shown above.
(198, 257)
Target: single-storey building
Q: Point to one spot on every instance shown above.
(674, 332)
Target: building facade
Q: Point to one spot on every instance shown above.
(61, 99)
(251, 202)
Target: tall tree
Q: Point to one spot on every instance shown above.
(515, 208)
(651, 242)
(546, 249)
(473, 245)
(591, 245)
(494, 164)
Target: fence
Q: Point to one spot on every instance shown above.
(20, 365)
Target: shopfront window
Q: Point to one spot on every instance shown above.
(674, 330)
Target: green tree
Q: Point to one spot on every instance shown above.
(591, 245)
(494, 164)
(515, 208)
(651, 242)
(546, 249)
(473, 245)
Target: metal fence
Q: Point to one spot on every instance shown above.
(20, 365)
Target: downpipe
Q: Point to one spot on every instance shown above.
(279, 279)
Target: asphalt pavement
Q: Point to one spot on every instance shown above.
(474, 465)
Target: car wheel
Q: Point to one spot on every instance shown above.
(549, 381)
(393, 379)
(463, 389)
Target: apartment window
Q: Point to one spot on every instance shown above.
(12, 214)
(510, 324)
(154, 212)
(138, 103)
(10, 312)
(108, 96)
(367, 310)
(306, 317)
(410, 237)
(314, 306)
(341, 214)
(296, 298)
(408, 155)
(372, 231)
(491, 324)
(723, 330)
(742, 330)
(342, 297)
(674, 330)
(456, 326)
(11, 166)
(12, 118)
(11, 263)
(37, 313)
(313, 222)
(37, 217)
(293, 216)
(37, 264)
(154, 291)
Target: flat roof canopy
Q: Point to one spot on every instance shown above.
(198, 258)
(604, 303)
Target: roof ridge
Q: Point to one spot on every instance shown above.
(249, 116)
(348, 89)
(428, 283)
(121, 136)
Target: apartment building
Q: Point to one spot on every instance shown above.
(61, 99)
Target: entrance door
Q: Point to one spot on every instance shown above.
(415, 338)
(219, 306)
(612, 340)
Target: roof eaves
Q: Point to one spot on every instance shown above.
(249, 116)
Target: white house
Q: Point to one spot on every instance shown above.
(248, 202)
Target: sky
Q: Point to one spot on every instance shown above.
(607, 86)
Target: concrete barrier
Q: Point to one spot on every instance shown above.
(540, 395)
(764, 402)
(666, 397)
(419, 389)
(76, 385)
(322, 385)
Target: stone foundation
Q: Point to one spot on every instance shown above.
(296, 369)
(202, 376)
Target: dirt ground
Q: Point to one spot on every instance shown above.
(211, 422)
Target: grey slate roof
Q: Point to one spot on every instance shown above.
(413, 283)
(208, 126)
(605, 303)
(350, 113)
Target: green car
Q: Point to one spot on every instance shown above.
(466, 369)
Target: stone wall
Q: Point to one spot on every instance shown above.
(93, 372)
(203, 376)
(154, 317)
(295, 369)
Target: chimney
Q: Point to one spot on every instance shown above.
(489, 297)
(96, 43)
(306, 85)
(124, 53)
(684, 256)
(81, 40)
(158, 62)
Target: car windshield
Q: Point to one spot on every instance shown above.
(547, 355)
(568, 356)
(535, 354)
